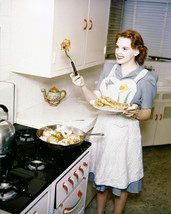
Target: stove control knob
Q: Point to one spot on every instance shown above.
(65, 187)
(81, 169)
(35, 212)
(85, 164)
(76, 175)
(70, 179)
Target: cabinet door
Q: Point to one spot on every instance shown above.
(42, 206)
(163, 135)
(69, 24)
(32, 26)
(97, 30)
(148, 127)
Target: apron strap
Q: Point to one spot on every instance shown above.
(136, 79)
(112, 73)
(140, 75)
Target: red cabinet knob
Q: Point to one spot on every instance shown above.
(85, 164)
(79, 193)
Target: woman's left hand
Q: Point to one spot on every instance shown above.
(143, 114)
(132, 111)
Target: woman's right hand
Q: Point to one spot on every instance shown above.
(77, 80)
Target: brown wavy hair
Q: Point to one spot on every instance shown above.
(137, 43)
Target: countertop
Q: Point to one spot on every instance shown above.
(71, 111)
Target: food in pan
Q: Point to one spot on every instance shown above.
(107, 102)
(63, 137)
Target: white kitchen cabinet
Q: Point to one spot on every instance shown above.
(40, 26)
(156, 130)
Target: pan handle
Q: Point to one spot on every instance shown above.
(95, 134)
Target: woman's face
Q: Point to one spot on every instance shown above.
(124, 52)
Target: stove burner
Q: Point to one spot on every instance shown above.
(11, 186)
(8, 195)
(36, 165)
(25, 135)
(4, 185)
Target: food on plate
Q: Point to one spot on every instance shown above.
(63, 137)
(107, 102)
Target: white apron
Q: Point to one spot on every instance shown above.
(116, 158)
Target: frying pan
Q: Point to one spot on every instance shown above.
(60, 127)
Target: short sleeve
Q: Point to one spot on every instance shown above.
(105, 72)
(148, 87)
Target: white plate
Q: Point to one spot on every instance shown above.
(92, 102)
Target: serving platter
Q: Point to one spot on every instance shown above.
(92, 102)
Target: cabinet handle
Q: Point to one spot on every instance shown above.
(161, 116)
(84, 28)
(91, 24)
(156, 117)
(71, 209)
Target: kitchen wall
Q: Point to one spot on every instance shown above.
(5, 30)
(28, 88)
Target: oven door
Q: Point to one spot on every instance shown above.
(75, 202)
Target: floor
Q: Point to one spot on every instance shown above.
(155, 197)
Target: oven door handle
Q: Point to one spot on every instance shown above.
(71, 209)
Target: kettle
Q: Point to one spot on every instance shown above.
(7, 132)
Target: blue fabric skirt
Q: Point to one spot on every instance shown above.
(134, 187)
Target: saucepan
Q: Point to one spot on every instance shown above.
(50, 131)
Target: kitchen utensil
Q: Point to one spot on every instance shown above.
(53, 96)
(7, 132)
(64, 128)
(65, 46)
(72, 64)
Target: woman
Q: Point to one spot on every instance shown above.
(116, 158)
